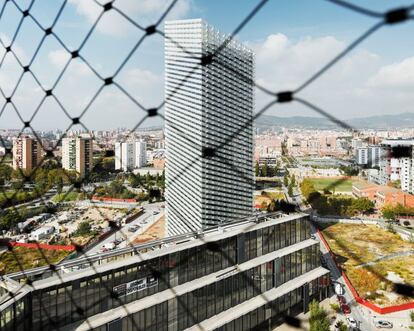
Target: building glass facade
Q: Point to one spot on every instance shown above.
(235, 266)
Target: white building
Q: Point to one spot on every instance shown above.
(42, 233)
(361, 155)
(130, 155)
(77, 154)
(396, 162)
(369, 156)
(140, 154)
(206, 104)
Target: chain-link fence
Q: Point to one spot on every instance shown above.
(28, 68)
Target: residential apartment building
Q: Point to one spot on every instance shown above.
(27, 153)
(245, 276)
(140, 154)
(208, 128)
(77, 154)
(369, 156)
(130, 155)
(396, 163)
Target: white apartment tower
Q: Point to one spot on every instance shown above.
(209, 108)
(77, 154)
(140, 154)
(130, 155)
(125, 156)
(397, 162)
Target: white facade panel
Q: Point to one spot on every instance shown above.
(207, 107)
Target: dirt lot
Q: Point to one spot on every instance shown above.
(26, 258)
(156, 231)
(269, 195)
(355, 245)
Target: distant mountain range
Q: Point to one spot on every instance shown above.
(403, 120)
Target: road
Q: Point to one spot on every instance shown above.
(357, 311)
(45, 198)
(146, 216)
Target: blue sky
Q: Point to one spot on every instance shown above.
(291, 39)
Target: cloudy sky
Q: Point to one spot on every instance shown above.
(291, 39)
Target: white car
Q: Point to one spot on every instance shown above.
(339, 290)
(352, 322)
(382, 324)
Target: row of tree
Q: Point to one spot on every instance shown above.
(266, 170)
(392, 212)
(334, 205)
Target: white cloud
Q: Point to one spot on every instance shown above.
(398, 75)
(60, 57)
(144, 12)
(353, 87)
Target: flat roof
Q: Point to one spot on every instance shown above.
(219, 233)
(187, 287)
(258, 301)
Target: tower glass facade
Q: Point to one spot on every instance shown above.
(207, 107)
(250, 273)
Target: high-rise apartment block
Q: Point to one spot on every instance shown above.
(130, 155)
(77, 154)
(208, 127)
(27, 153)
(369, 156)
(396, 163)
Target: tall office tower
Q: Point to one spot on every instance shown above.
(77, 153)
(26, 153)
(208, 109)
(140, 154)
(124, 156)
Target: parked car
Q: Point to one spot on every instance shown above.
(352, 323)
(341, 299)
(133, 228)
(339, 290)
(110, 245)
(346, 309)
(382, 324)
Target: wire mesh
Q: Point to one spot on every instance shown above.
(25, 69)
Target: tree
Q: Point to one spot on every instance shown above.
(349, 170)
(285, 180)
(265, 169)
(84, 229)
(318, 319)
(257, 169)
(290, 189)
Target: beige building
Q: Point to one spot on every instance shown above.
(77, 154)
(27, 153)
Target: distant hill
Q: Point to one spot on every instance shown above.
(403, 120)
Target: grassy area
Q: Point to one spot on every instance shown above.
(332, 184)
(355, 245)
(71, 196)
(26, 258)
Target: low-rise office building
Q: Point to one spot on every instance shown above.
(246, 275)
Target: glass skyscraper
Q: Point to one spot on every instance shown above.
(209, 106)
